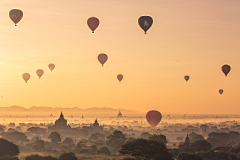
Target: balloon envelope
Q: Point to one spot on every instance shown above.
(102, 58)
(220, 91)
(120, 77)
(186, 78)
(16, 15)
(226, 69)
(26, 77)
(51, 66)
(40, 73)
(153, 117)
(93, 23)
(145, 22)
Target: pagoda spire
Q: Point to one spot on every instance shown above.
(61, 116)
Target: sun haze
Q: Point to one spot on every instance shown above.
(193, 38)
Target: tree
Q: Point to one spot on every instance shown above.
(116, 139)
(19, 129)
(234, 136)
(36, 130)
(68, 141)
(81, 144)
(15, 136)
(222, 137)
(213, 141)
(37, 157)
(55, 137)
(145, 135)
(84, 132)
(204, 128)
(68, 156)
(191, 135)
(11, 130)
(185, 156)
(103, 150)
(129, 158)
(11, 125)
(147, 149)
(200, 145)
(160, 138)
(93, 148)
(96, 136)
(8, 158)
(8, 148)
(196, 138)
(84, 150)
(38, 145)
(179, 138)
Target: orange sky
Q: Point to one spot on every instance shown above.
(192, 38)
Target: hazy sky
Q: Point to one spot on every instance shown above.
(188, 37)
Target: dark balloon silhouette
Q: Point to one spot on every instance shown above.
(145, 22)
(226, 69)
(51, 66)
(102, 58)
(120, 77)
(220, 91)
(93, 23)
(16, 15)
(186, 78)
(26, 76)
(153, 117)
(39, 73)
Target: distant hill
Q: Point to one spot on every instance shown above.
(75, 110)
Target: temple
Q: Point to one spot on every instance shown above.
(185, 146)
(120, 114)
(60, 124)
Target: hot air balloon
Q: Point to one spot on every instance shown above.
(120, 77)
(51, 66)
(153, 117)
(16, 15)
(102, 58)
(226, 69)
(93, 23)
(145, 22)
(186, 78)
(220, 91)
(39, 73)
(26, 77)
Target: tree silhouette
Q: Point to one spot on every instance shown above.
(38, 145)
(8, 148)
(103, 150)
(68, 156)
(68, 141)
(222, 137)
(15, 136)
(200, 145)
(147, 149)
(55, 137)
(160, 138)
(37, 157)
(145, 135)
(96, 136)
(93, 148)
(8, 158)
(116, 139)
(81, 144)
(185, 156)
